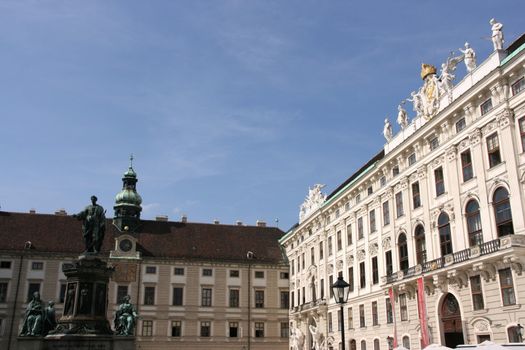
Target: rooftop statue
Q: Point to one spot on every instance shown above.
(313, 201)
(448, 70)
(416, 101)
(34, 317)
(469, 57)
(497, 34)
(387, 131)
(93, 226)
(125, 317)
(402, 116)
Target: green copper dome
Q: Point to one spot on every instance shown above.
(128, 197)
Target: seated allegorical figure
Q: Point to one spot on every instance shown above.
(125, 317)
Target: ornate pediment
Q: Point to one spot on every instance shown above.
(313, 201)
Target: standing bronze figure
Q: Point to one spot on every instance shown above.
(93, 226)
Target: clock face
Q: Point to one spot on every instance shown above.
(125, 245)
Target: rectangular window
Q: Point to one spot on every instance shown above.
(5, 264)
(285, 330)
(375, 318)
(360, 230)
(37, 265)
(147, 328)
(292, 299)
(234, 298)
(303, 260)
(292, 266)
(3, 292)
(322, 288)
(62, 293)
(486, 106)
(388, 308)
(285, 300)
(357, 198)
(507, 287)
(206, 296)
(330, 252)
(362, 275)
(234, 273)
(260, 274)
(382, 181)
(493, 150)
(312, 256)
(518, 86)
(304, 295)
(375, 271)
(416, 195)
(122, 291)
(351, 278)
(149, 295)
(521, 123)
(207, 272)
(350, 318)
(460, 125)
(403, 310)
(412, 159)
(434, 143)
(178, 271)
(329, 321)
(205, 328)
(477, 293)
(362, 319)
(395, 171)
(321, 250)
(259, 329)
(386, 213)
(151, 269)
(370, 190)
(259, 299)
(234, 329)
(388, 263)
(466, 165)
(330, 284)
(439, 181)
(177, 296)
(400, 211)
(176, 328)
(339, 241)
(372, 217)
(339, 320)
(348, 234)
(298, 297)
(284, 275)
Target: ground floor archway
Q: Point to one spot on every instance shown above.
(451, 324)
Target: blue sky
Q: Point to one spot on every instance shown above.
(231, 108)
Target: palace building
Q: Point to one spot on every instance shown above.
(430, 233)
(194, 285)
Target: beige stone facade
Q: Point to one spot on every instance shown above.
(443, 202)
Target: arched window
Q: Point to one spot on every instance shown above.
(406, 342)
(502, 212)
(421, 248)
(363, 345)
(403, 252)
(353, 345)
(376, 344)
(475, 236)
(445, 238)
(514, 334)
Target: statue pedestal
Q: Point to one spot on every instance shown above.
(29, 343)
(88, 342)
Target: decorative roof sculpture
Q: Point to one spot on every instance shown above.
(313, 201)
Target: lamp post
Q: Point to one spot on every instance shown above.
(340, 290)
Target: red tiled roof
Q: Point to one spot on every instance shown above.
(161, 239)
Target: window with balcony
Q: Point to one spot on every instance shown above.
(416, 195)
(502, 212)
(475, 235)
(403, 252)
(421, 248)
(493, 150)
(439, 181)
(445, 238)
(466, 166)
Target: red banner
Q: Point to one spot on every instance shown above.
(393, 304)
(422, 308)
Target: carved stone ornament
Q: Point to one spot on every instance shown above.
(330, 269)
(464, 144)
(475, 137)
(339, 264)
(489, 128)
(313, 201)
(438, 161)
(361, 255)
(422, 172)
(372, 249)
(481, 326)
(451, 153)
(350, 260)
(469, 110)
(387, 243)
(486, 270)
(505, 118)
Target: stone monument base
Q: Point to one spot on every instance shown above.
(30, 343)
(87, 342)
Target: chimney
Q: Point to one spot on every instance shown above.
(216, 221)
(184, 218)
(238, 223)
(260, 223)
(32, 211)
(61, 212)
(163, 218)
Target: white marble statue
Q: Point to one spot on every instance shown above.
(313, 201)
(317, 337)
(297, 339)
(469, 57)
(497, 34)
(402, 116)
(417, 102)
(387, 131)
(447, 74)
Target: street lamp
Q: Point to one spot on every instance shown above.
(340, 290)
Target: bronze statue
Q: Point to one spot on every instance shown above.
(125, 317)
(33, 318)
(50, 318)
(93, 226)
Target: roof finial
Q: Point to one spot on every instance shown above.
(131, 160)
